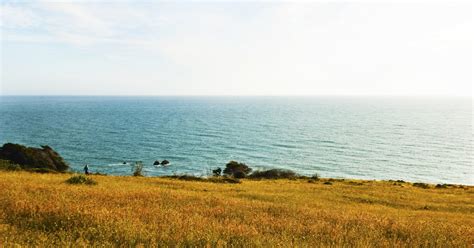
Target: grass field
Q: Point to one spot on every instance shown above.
(43, 210)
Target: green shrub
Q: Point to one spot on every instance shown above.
(421, 185)
(7, 165)
(81, 179)
(239, 174)
(236, 169)
(138, 169)
(315, 177)
(441, 186)
(217, 172)
(274, 174)
(186, 177)
(223, 180)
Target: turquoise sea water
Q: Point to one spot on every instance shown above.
(415, 139)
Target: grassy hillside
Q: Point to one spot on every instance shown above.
(41, 209)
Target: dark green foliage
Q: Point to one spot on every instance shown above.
(227, 180)
(441, 186)
(81, 179)
(30, 157)
(217, 172)
(421, 185)
(236, 169)
(273, 174)
(138, 169)
(239, 174)
(328, 183)
(7, 165)
(315, 177)
(186, 177)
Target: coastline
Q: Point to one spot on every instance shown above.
(367, 138)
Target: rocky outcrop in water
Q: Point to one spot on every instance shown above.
(157, 162)
(33, 158)
(165, 162)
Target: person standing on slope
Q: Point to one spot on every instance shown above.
(86, 169)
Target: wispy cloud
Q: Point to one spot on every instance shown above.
(261, 48)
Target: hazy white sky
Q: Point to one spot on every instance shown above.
(236, 48)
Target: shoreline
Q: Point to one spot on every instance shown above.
(229, 179)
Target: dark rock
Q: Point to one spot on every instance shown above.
(165, 162)
(124, 162)
(33, 158)
(157, 162)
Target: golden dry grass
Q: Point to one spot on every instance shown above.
(42, 210)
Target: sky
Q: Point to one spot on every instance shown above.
(236, 48)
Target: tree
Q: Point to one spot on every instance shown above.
(236, 169)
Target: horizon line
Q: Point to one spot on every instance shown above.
(240, 95)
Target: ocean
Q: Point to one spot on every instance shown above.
(425, 139)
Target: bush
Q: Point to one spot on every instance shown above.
(10, 166)
(315, 177)
(236, 169)
(138, 169)
(239, 174)
(421, 185)
(230, 180)
(217, 172)
(223, 180)
(81, 179)
(441, 186)
(187, 177)
(274, 174)
(7, 165)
